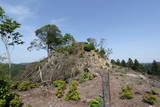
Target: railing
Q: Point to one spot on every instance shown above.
(105, 97)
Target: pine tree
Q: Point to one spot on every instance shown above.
(113, 61)
(154, 68)
(136, 65)
(118, 62)
(123, 63)
(130, 63)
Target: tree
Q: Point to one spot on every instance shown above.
(68, 39)
(49, 38)
(154, 67)
(118, 62)
(102, 50)
(129, 63)
(123, 63)
(8, 34)
(113, 61)
(92, 41)
(135, 65)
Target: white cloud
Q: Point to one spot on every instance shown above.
(18, 11)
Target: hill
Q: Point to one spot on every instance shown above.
(15, 70)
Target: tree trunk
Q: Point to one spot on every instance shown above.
(48, 49)
(9, 60)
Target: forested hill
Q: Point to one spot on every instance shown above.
(16, 69)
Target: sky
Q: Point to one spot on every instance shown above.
(131, 27)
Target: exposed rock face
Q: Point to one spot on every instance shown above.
(64, 66)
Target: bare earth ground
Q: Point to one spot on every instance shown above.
(140, 85)
(45, 97)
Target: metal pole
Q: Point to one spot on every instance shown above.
(109, 91)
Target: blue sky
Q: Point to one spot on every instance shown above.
(131, 27)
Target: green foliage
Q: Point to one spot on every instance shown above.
(102, 52)
(5, 95)
(8, 34)
(49, 38)
(69, 49)
(68, 40)
(118, 62)
(4, 88)
(2, 103)
(15, 85)
(34, 85)
(27, 85)
(15, 70)
(89, 47)
(123, 63)
(59, 83)
(16, 102)
(61, 86)
(24, 86)
(130, 63)
(86, 76)
(95, 102)
(127, 92)
(151, 99)
(153, 92)
(73, 93)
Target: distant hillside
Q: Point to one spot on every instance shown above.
(16, 69)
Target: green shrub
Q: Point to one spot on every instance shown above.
(153, 92)
(86, 76)
(95, 102)
(61, 86)
(60, 83)
(89, 47)
(24, 86)
(15, 85)
(69, 49)
(102, 52)
(73, 93)
(4, 88)
(2, 103)
(33, 85)
(151, 99)
(127, 92)
(16, 102)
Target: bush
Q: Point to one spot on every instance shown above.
(61, 86)
(14, 85)
(102, 52)
(151, 99)
(2, 103)
(60, 83)
(24, 86)
(153, 92)
(16, 102)
(127, 92)
(4, 88)
(95, 102)
(73, 93)
(86, 76)
(69, 49)
(89, 47)
(34, 85)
